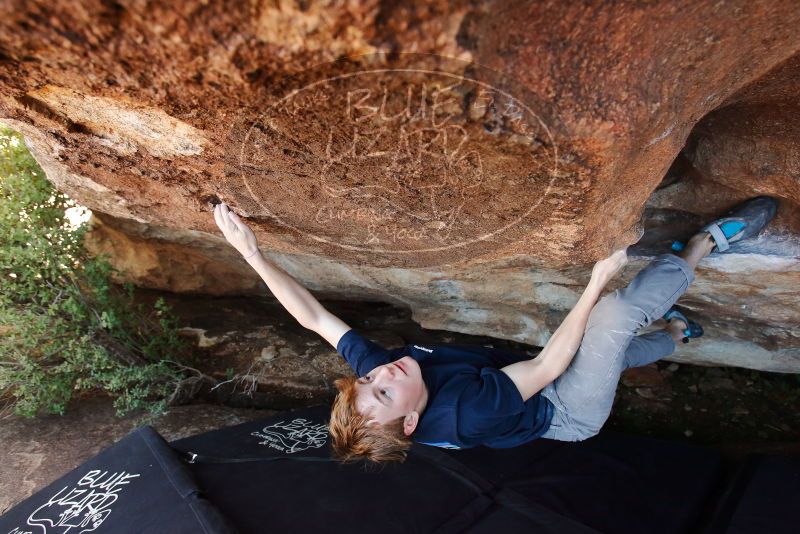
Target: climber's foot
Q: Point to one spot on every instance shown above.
(742, 222)
(700, 245)
(676, 328)
(680, 327)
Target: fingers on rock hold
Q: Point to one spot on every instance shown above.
(218, 217)
(240, 224)
(235, 218)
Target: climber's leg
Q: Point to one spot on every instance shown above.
(651, 347)
(648, 348)
(584, 393)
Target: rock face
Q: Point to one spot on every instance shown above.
(746, 301)
(468, 160)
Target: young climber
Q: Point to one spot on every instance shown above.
(460, 396)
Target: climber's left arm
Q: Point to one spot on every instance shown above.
(531, 376)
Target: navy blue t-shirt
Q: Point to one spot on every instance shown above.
(471, 401)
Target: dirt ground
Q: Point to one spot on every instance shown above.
(732, 409)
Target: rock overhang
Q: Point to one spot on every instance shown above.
(622, 90)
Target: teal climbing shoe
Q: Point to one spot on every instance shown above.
(692, 329)
(745, 220)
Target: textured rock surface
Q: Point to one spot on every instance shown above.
(546, 131)
(746, 300)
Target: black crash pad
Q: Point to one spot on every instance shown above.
(764, 496)
(276, 475)
(138, 485)
(609, 483)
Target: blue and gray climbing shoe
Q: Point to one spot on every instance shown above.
(745, 220)
(692, 329)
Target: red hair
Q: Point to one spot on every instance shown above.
(354, 437)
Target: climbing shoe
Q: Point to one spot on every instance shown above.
(692, 329)
(745, 220)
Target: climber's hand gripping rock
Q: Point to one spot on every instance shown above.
(236, 231)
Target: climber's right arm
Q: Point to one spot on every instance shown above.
(330, 327)
(295, 298)
(298, 301)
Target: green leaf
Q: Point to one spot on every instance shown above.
(73, 328)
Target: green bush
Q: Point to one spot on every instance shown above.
(64, 326)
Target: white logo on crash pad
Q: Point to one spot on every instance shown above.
(294, 436)
(84, 506)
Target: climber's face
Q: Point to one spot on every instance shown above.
(392, 391)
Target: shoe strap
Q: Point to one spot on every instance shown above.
(672, 313)
(718, 235)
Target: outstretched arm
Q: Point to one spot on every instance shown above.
(531, 376)
(294, 297)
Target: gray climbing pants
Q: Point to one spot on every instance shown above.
(584, 393)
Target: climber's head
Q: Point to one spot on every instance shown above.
(374, 416)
